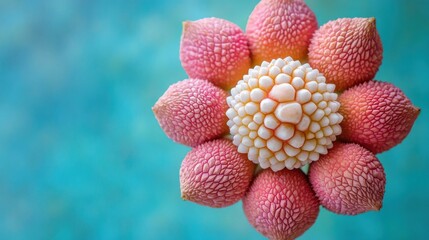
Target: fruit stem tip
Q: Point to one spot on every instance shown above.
(371, 21)
(377, 207)
(184, 197)
(418, 109)
(185, 25)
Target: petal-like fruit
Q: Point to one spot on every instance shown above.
(377, 115)
(280, 28)
(348, 180)
(214, 174)
(216, 50)
(347, 51)
(281, 205)
(192, 111)
(283, 114)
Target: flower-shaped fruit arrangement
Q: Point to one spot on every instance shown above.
(279, 96)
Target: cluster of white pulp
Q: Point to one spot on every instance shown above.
(283, 114)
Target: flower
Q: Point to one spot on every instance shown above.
(284, 113)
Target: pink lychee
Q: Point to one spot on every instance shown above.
(348, 180)
(377, 115)
(280, 28)
(214, 174)
(216, 50)
(192, 111)
(347, 51)
(281, 205)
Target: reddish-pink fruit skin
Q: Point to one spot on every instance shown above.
(348, 51)
(377, 115)
(216, 50)
(348, 180)
(192, 111)
(281, 205)
(280, 28)
(214, 174)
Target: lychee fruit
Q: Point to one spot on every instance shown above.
(283, 114)
(216, 50)
(280, 28)
(192, 111)
(347, 51)
(377, 115)
(348, 180)
(214, 174)
(281, 205)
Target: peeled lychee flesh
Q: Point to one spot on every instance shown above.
(214, 174)
(377, 115)
(216, 50)
(347, 51)
(192, 111)
(283, 114)
(280, 28)
(281, 205)
(348, 180)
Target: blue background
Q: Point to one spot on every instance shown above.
(82, 156)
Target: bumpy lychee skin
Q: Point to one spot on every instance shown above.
(348, 180)
(214, 174)
(283, 114)
(192, 112)
(280, 28)
(281, 205)
(216, 50)
(377, 115)
(347, 51)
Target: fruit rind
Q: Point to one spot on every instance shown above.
(348, 180)
(214, 174)
(281, 205)
(192, 112)
(348, 51)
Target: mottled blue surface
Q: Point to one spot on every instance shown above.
(82, 156)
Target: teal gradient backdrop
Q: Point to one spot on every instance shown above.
(82, 156)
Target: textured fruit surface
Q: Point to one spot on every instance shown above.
(347, 51)
(281, 205)
(348, 180)
(214, 174)
(216, 50)
(280, 28)
(283, 114)
(192, 111)
(377, 115)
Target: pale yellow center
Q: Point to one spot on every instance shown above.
(283, 114)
